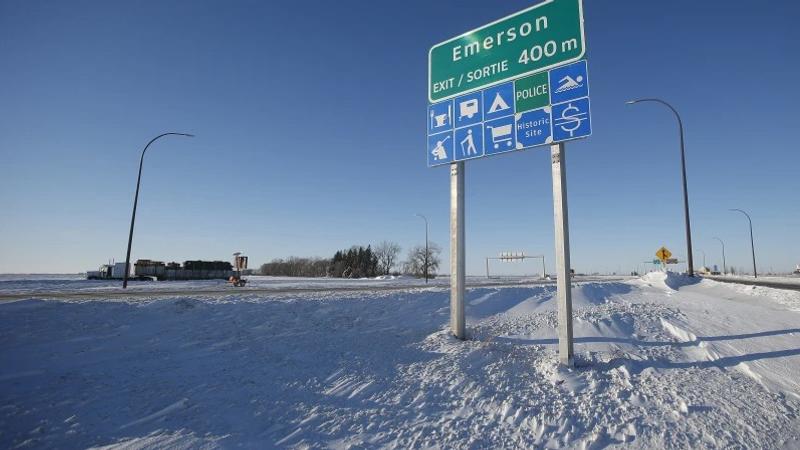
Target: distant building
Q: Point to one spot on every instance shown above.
(145, 269)
(191, 270)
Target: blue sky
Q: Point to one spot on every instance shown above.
(310, 122)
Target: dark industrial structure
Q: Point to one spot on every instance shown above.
(191, 270)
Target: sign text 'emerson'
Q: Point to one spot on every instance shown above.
(532, 40)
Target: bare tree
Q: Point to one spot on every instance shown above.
(387, 253)
(415, 264)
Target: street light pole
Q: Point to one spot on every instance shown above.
(426, 245)
(724, 266)
(752, 246)
(136, 201)
(683, 176)
(704, 257)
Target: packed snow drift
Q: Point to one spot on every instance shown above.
(662, 362)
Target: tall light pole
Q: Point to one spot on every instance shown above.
(683, 176)
(724, 266)
(136, 200)
(752, 246)
(426, 245)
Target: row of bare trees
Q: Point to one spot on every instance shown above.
(358, 262)
(296, 267)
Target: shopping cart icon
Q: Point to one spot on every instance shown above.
(501, 135)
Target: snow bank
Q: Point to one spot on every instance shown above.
(666, 280)
(656, 367)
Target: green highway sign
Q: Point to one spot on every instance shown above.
(532, 40)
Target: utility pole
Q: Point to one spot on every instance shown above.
(136, 201)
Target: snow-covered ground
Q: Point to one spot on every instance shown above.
(39, 285)
(35, 284)
(662, 362)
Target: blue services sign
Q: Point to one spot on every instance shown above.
(504, 118)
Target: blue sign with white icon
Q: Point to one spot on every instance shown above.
(440, 117)
(498, 101)
(571, 120)
(569, 82)
(486, 122)
(468, 109)
(499, 135)
(440, 148)
(533, 128)
(469, 142)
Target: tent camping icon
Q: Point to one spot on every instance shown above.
(498, 104)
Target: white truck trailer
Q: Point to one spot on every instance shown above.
(115, 271)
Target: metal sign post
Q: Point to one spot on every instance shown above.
(563, 275)
(458, 268)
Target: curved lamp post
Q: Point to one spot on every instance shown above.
(426, 245)
(136, 201)
(724, 266)
(752, 246)
(683, 175)
(704, 258)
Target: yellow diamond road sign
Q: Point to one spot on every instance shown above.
(663, 254)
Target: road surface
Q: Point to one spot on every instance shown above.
(764, 282)
(222, 291)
